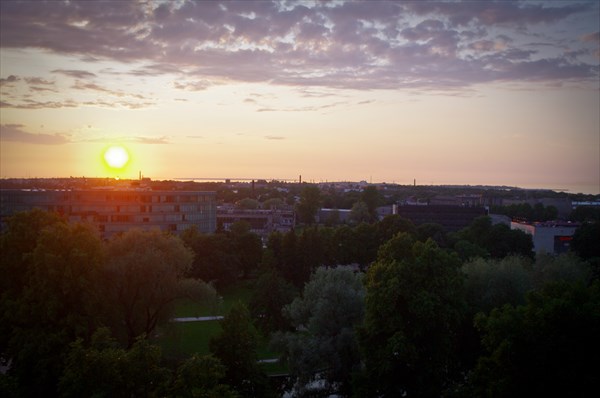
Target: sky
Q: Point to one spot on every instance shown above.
(492, 93)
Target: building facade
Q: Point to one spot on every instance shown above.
(551, 237)
(118, 210)
(261, 221)
(452, 218)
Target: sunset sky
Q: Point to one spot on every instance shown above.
(496, 93)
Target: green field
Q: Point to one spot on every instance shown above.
(179, 340)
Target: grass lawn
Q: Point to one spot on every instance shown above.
(225, 300)
(180, 340)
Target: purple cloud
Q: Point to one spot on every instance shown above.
(10, 79)
(357, 45)
(15, 133)
(79, 74)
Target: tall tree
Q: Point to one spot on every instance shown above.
(585, 240)
(360, 213)
(17, 244)
(542, 348)
(247, 247)
(371, 198)
(310, 202)
(271, 293)
(236, 348)
(215, 257)
(145, 273)
(58, 303)
(391, 225)
(414, 308)
(332, 304)
(201, 377)
(104, 369)
(495, 282)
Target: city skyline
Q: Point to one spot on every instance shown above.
(473, 93)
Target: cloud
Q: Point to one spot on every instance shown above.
(497, 13)
(303, 109)
(345, 44)
(79, 74)
(10, 79)
(39, 81)
(32, 104)
(15, 133)
(200, 85)
(274, 137)
(591, 38)
(95, 87)
(151, 140)
(137, 140)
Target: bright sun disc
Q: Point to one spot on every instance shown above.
(116, 157)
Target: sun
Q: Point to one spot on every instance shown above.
(116, 157)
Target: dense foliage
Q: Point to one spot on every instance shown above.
(415, 312)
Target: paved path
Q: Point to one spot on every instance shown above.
(216, 318)
(197, 318)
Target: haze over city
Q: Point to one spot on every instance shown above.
(497, 93)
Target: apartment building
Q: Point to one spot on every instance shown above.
(118, 210)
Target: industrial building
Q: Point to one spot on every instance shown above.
(452, 218)
(261, 221)
(118, 210)
(551, 237)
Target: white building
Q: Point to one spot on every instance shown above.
(548, 237)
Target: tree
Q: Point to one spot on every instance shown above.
(324, 318)
(414, 308)
(585, 240)
(105, 369)
(236, 347)
(468, 251)
(145, 272)
(542, 348)
(498, 240)
(432, 231)
(400, 247)
(247, 204)
(371, 198)
(201, 377)
(58, 302)
(365, 245)
(333, 218)
(273, 204)
(310, 201)
(391, 225)
(17, 244)
(293, 266)
(247, 247)
(215, 260)
(360, 213)
(271, 293)
(493, 283)
(566, 267)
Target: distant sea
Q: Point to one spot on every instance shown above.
(592, 189)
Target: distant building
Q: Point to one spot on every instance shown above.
(262, 222)
(333, 216)
(551, 237)
(452, 218)
(118, 210)
(563, 205)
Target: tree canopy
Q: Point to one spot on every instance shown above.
(324, 318)
(541, 348)
(414, 307)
